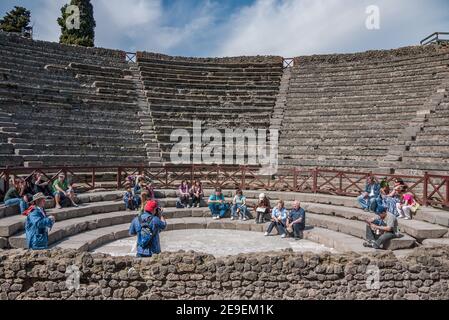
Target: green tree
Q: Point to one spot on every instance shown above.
(16, 20)
(82, 34)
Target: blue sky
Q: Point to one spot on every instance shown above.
(248, 27)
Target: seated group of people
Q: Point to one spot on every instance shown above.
(22, 190)
(389, 205)
(286, 223)
(139, 189)
(396, 200)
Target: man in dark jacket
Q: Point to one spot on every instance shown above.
(156, 223)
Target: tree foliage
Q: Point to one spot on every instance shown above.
(82, 35)
(16, 20)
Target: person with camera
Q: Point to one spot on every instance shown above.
(381, 229)
(147, 227)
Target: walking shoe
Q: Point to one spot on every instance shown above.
(232, 218)
(245, 219)
(283, 236)
(266, 234)
(367, 245)
(198, 205)
(407, 218)
(58, 206)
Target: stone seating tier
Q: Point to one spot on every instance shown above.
(100, 218)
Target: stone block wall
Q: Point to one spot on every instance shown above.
(423, 274)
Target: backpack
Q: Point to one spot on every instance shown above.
(146, 234)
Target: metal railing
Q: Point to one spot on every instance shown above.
(435, 37)
(428, 189)
(288, 63)
(131, 57)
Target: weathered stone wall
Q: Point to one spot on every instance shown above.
(235, 60)
(372, 55)
(282, 275)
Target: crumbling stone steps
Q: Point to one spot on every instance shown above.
(347, 125)
(10, 160)
(378, 73)
(58, 53)
(211, 98)
(86, 105)
(72, 97)
(439, 61)
(256, 78)
(324, 154)
(80, 150)
(207, 85)
(88, 118)
(328, 164)
(185, 117)
(87, 160)
(210, 103)
(86, 68)
(75, 140)
(356, 229)
(358, 97)
(336, 87)
(212, 92)
(74, 226)
(208, 65)
(404, 93)
(156, 66)
(341, 132)
(218, 108)
(43, 80)
(383, 117)
(16, 223)
(421, 80)
(102, 79)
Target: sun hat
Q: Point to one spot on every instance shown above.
(261, 196)
(38, 196)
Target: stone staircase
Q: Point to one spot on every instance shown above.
(393, 158)
(8, 154)
(146, 119)
(278, 114)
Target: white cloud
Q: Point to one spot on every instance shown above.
(296, 27)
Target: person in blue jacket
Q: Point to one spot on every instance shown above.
(38, 224)
(156, 222)
(368, 199)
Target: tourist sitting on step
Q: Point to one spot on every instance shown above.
(13, 198)
(130, 200)
(217, 204)
(196, 194)
(263, 208)
(37, 224)
(63, 192)
(183, 194)
(407, 206)
(278, 220)
(381, 229)
(147, 227)
(149, 189)
(239, 208)
(296, 222)
(41, 185)
(26, 190)
(368, 199)
(391, 200)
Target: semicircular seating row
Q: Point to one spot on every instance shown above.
(333, 221)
